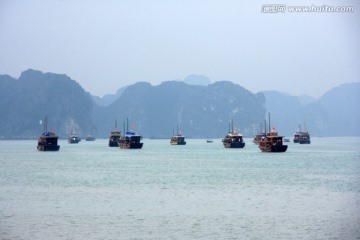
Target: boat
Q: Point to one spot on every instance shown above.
(209, 140)
(130, 140)
(258, 137)
(260, 134)
(73, 137)
(114, 137)
(302, 137)
(272, 142)
(177, 139)
(90, 138)
(48, 141)
(286, 140)
(297, 135)
(233, 139)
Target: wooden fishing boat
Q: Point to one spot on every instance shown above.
(130, 140)
(233, 139)
(48, 141)
(114, 137)
(177, 139)
(272, 142)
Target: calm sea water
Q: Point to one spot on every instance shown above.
(197, 191)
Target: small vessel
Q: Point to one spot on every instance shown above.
(297, 135)
(209, 140)
(73, 137)
(114, 137)
(90, 138)
(272, 142)
(48, 141)
(177, 139)
(233, 139)
(302, 137)
(260, 134)
(130, 140)
(258, 137)
(286, 140)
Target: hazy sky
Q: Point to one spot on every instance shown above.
(105, 45)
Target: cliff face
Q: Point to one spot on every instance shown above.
(200, 111)
(336, 113)
(27, 100)
(342, 104)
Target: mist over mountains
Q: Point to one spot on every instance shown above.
(199, 107)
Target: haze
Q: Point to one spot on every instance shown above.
(105, 45)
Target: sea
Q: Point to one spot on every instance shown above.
(197, 191)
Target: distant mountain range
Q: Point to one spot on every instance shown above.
(27, 100)
(201, 109)
(336, 113)
(108, 99)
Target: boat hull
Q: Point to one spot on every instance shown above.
(48, 148)
(178, 143)
(131, 145)
(73, 141)
(234, 144)
(113, 144)
(305, 142)
(114, 139)
(279, 148)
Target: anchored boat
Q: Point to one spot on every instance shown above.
(90, 138)
(302, 137)
(261, 133)
(233, 139)
(272, 142)
(177, 139)
(130, 140)
(48, 141)
(114, 136)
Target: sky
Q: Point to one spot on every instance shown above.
(105, 45)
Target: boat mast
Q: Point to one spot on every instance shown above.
(232, 125)
(177, 129)
(269, 123)
(127, 124)
(265, 126)
(45, 124)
